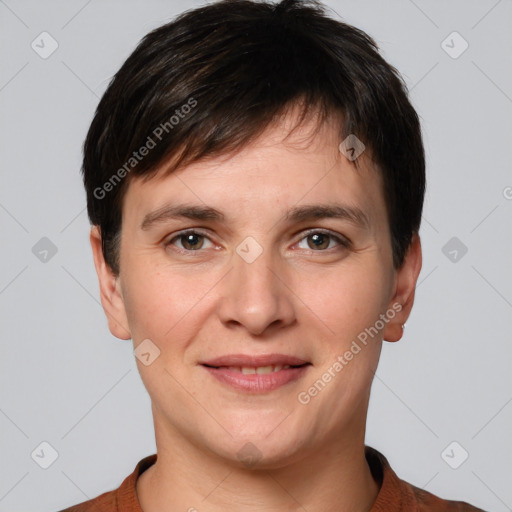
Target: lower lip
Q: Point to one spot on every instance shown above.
(257, 383)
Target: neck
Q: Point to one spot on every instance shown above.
(335, 478)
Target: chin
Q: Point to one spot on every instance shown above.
(265, 450)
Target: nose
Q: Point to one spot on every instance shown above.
(256, 295)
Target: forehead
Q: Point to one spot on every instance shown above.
(278, 171)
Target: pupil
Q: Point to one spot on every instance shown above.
(318, 237)
(191, 239)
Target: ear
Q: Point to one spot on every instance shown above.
(110, 291)
(405, 285)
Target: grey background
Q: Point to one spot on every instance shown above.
(65, 380)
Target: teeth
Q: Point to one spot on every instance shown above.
(260, 370)
(264, 369)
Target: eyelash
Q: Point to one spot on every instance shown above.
(344, 242)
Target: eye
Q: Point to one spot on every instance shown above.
(321, 240)
(318, 241)
(189, 240)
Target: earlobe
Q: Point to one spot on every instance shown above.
(110, 292)
(405, 285)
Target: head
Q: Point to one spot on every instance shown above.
(233, 116)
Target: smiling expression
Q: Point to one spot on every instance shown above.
(251, 274)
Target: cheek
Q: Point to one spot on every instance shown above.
(347, 302)
(157, 302)
(346, 299)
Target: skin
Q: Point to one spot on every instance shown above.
(294, 299)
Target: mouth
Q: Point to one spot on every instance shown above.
(259, 370)
(256, 374)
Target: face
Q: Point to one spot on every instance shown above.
(267, 300)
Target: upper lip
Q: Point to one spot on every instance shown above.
(254, 361)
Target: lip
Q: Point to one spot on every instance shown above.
(221, 368)
(254, 361)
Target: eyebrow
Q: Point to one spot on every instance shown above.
(296, 214)
(170, 212)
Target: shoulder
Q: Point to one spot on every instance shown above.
(122, 499)
(397, 495)
(106, 502)
(429, 502)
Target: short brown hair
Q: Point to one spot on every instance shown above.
(217, 76)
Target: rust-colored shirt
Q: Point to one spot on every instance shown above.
(395, 495)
